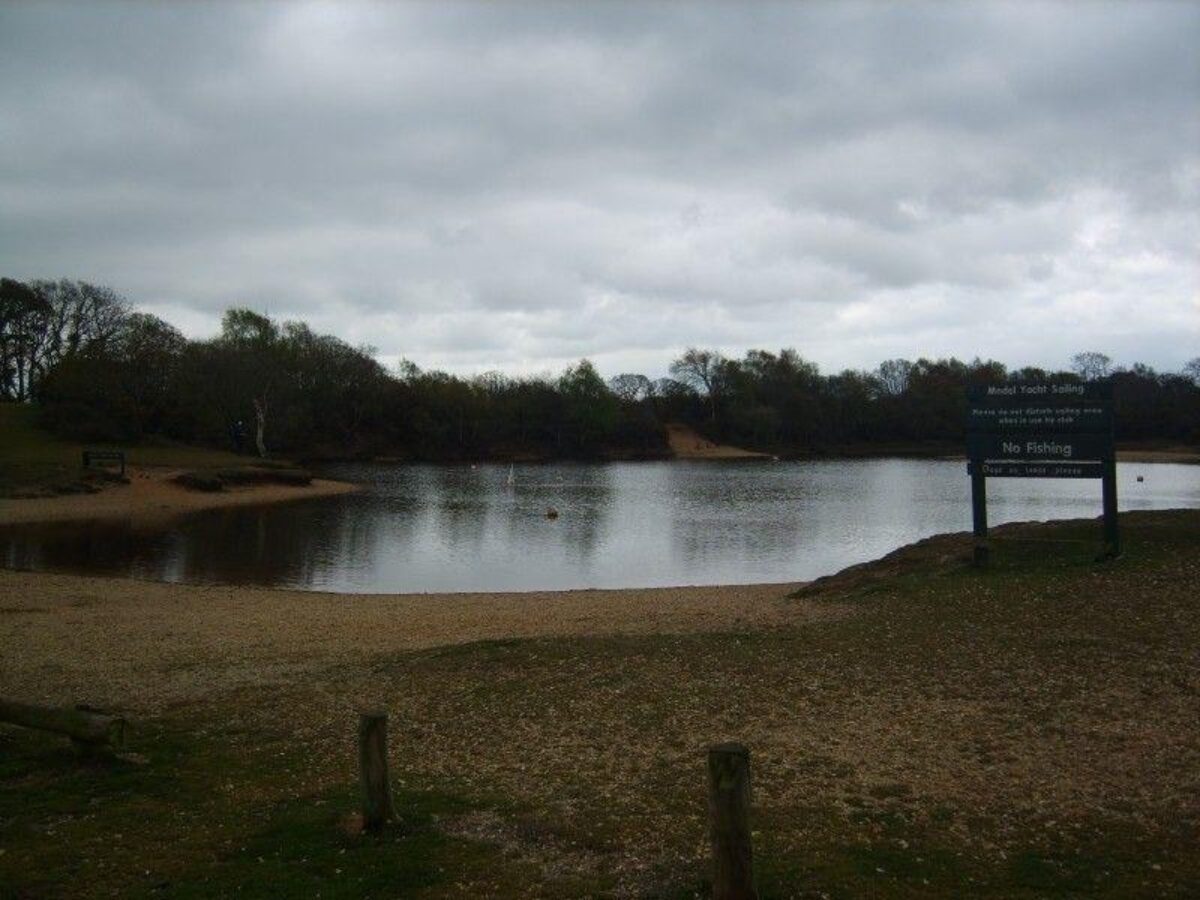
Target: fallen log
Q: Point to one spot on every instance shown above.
(89, 729)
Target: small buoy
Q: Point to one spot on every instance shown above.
(551, 512)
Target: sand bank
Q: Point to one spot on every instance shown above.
(151, 496)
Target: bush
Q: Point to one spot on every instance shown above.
(199, 481)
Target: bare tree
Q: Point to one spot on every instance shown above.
(23, 312)
(1192, 369)
(44, 322)
(702, 370)
(254, 338)
(631, 387)
(893, 376)
(81, 315)
(1091, 365)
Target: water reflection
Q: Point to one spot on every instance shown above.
(737, 512)
(439, 528)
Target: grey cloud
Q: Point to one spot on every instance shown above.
(502, 185)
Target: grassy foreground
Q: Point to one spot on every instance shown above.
(35, 462)
(1031, 731)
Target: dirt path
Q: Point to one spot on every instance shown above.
(686, 443)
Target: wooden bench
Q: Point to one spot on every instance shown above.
(104, 456)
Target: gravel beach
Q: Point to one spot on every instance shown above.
(144, 645)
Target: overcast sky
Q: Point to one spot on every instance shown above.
(517, 185)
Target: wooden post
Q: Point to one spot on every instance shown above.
(1112, 535)
(372, 759)
(88, 729)
(979, 512)
(729, 822)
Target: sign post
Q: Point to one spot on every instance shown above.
(1112, 535)
(979, 514)
(1041, 430)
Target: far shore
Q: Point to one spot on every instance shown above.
(151, 496)
(1169, 455)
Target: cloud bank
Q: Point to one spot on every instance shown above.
(516, 185)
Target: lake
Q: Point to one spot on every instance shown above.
(462, 528)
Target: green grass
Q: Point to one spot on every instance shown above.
(215, 813)
(33, 460)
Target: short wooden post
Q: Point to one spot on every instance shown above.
(372, 758)
(729, 822)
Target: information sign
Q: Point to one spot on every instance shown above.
(1057, 393)
(1029, 445)
(1033, 417)
(1038, 469)
(1041, 430)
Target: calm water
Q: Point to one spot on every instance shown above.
(440, 528)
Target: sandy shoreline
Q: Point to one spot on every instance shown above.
(122, 643)
(151, 496)
(1012, 711)
(142, 645)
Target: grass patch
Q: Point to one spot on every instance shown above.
(306, 850)
(215, 813)
(33, 461)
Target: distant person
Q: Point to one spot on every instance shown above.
(237, 431)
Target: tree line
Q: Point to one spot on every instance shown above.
(100, 371)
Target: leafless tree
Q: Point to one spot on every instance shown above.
(631, 387)
(702, 370)
(44, 322)
(1091, 365)
(893, 376)
(1192, 369)
(22, 313)
(254, 338)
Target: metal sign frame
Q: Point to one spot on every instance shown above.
(1041, 430)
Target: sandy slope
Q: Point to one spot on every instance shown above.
(687, 444)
